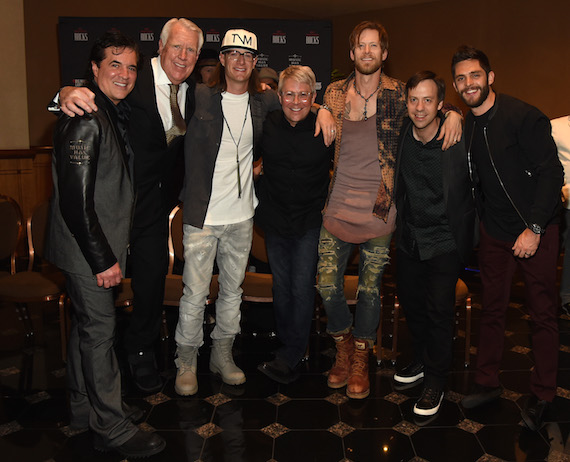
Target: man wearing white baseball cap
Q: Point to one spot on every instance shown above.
(219, 203)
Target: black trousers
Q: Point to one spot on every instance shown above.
(147, 266)
(426, 290)
(93, 375)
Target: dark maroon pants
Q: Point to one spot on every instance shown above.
(498, 264)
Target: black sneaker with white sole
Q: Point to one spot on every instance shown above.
(411, 373)
(429, 402)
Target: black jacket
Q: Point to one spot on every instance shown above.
(93, 199)
(158, 168)
(459, 205)
(519, 141)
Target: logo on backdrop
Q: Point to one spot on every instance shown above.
(213, 36)
(80, 35)
(147, 35)
(262, 60)
(279, 38)
(295, 59)
(312, 38)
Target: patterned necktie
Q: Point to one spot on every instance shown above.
(178, 125)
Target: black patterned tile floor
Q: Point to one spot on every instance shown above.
(303, 421)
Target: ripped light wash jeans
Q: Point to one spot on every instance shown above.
(229, 245)
(333, 258)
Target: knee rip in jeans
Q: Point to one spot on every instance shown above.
(326, 291)
(327, 269)
(372, 269)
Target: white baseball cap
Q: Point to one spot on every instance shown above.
(239, 38)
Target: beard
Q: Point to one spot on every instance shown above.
(368, 68)
(483, 94)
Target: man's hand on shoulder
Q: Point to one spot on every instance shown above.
(76, 101)
(451, 130)
(326, 124)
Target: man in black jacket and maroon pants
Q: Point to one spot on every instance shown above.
(518, 177)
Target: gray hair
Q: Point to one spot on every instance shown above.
(187, 24)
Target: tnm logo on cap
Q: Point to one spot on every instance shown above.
(239, 38)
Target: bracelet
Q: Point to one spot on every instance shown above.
(324, 106)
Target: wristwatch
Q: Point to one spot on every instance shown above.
(536, 229)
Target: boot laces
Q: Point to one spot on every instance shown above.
(360, 361)
(185, 361)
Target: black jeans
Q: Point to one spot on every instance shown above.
(293, 263)
(426, 290)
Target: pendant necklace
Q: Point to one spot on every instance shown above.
(365, 99)
(237, 144)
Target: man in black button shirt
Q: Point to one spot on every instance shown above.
(434, 236)
(292, 192)
(518, 178)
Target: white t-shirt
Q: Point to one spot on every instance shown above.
(236, 151)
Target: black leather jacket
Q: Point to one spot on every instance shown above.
(93, 200)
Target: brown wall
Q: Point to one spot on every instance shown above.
(42, 57)
(14, 117)
(527, 41)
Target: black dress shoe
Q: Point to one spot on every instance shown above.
(144, 372)
(141, 444)
(481, 394)
(279, 371)
(533, 413)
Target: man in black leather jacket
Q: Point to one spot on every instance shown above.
(88, 237)
(157, 152)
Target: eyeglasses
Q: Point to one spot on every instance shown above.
(234, 55)
(290, 96)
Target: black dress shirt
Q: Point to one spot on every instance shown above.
(293, 189)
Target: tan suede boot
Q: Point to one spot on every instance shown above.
(358, 381)
(186, 382)
(338, 375)
(222, 362)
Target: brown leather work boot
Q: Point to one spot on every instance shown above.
(338, 375)
(358, 380)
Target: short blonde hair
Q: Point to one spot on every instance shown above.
(301, 74)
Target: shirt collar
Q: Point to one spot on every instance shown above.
(160, 77)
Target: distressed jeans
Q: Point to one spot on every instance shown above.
(229, 245)
(333, 258)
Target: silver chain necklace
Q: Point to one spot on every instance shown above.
(365, 99)
(237, 144)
